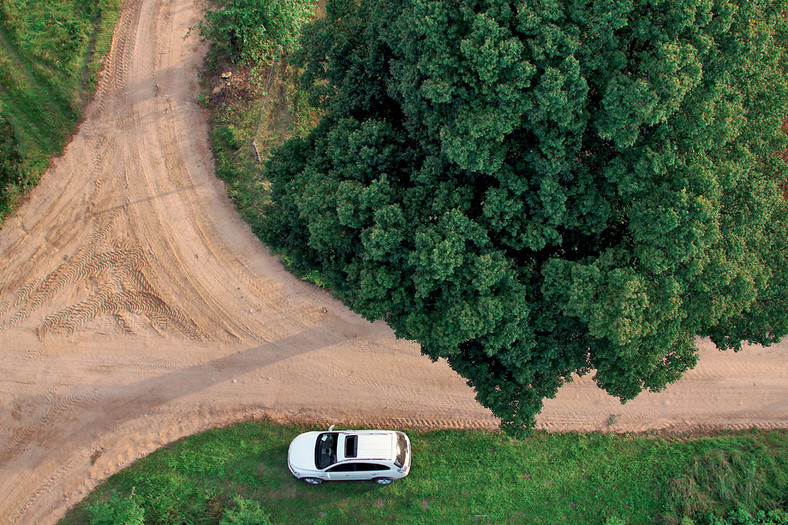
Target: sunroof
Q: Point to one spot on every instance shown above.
(351, 446)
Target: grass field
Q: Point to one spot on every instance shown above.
(458, 477)
(50, 56)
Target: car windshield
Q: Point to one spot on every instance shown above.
(326, 449)
(402, 450)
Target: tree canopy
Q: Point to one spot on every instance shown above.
(534, 189)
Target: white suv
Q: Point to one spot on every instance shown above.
(378, 455)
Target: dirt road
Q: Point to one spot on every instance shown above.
(136, 308)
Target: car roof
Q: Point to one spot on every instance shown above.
(372, 444)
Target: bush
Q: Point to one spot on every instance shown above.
(246, 512)
(10, 166)
(255, 31)
(117, 510)
(10, 159)
(742, 517)
(731, 481)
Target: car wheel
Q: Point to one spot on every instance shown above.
(312, 481)
(383, 481)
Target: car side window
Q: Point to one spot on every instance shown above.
(344, 467)
(370, 467)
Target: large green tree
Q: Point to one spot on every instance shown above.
(538, 188)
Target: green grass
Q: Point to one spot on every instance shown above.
(458, 475)
(50, 55)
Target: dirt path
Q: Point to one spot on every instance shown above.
(136, 308)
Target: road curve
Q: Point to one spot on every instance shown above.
(136, 308)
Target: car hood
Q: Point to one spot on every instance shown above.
(301, 454)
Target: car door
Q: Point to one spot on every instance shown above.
(372, 471)
(343, 471)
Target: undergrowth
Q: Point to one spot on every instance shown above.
(252, 111)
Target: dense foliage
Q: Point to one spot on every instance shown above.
(10, 159)
(532, 189)
(256, 30)
(130, 510)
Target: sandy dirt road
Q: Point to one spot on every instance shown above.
(137, 308)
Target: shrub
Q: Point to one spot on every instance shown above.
(245, 512)
(116, 510)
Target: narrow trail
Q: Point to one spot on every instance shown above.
(136, 308)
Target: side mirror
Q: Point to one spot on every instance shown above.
(331, 428)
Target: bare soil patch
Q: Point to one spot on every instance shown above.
(136, 308)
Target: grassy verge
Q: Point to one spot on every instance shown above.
(50, 55)
(252, 111)
(457, 477)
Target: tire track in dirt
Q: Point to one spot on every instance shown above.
(115, 70)
(54, 405)
(136, 307)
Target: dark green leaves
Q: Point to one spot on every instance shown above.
(535, 189)
(10, 158)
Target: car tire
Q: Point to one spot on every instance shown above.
(312, 481)
(383, 481)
